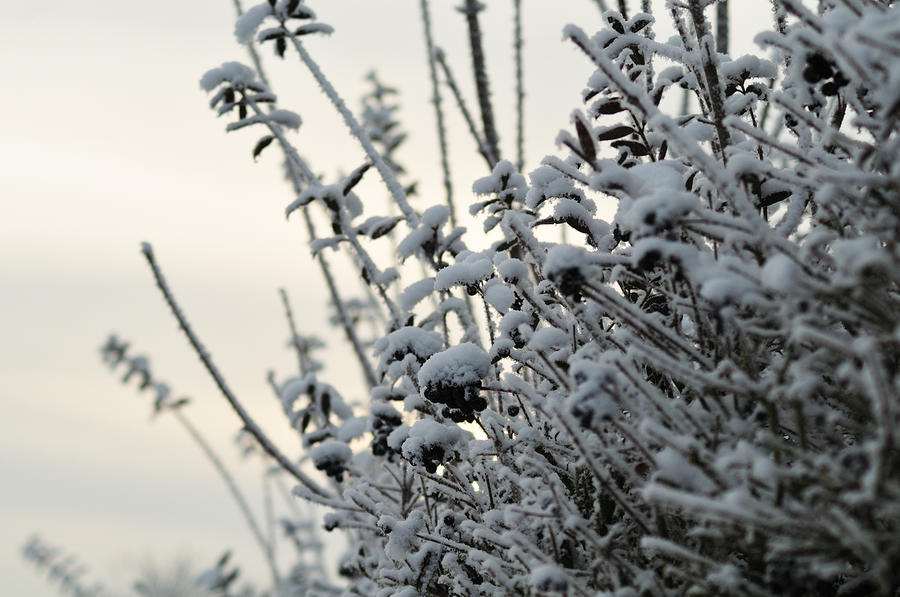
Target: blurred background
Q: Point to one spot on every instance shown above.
(107, 141)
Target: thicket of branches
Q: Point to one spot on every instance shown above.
(696, 397)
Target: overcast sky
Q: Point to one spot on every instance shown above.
(108, 141)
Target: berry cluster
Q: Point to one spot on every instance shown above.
(333, 469)
(570, 282)
(384, 421)
(818, 69)
(461, 402)
(431, 457)
(332, 457)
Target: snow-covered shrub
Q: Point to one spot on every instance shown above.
(698, 396)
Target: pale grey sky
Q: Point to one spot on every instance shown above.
(108, 141)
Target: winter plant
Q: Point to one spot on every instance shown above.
(697, 396)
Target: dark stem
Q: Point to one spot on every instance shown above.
(439, 113)
(471, 10)
(722, 27)
(520, 87)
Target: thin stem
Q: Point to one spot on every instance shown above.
(251, 426)
(251, 49)
(714, 91)
(722, 32)
(299, 172)
(520, 87)
(471, 10)
(236, 493)
(460, 102)
(390, 180)
(438, 111)
(303, 368)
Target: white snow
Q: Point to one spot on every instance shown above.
(499, 296)
(460, 365)
(469, 269)
(234, 72)
(285, 118)
(415, 293)
(330, 452)
(247, 24)
(548, 578)
(548, 338)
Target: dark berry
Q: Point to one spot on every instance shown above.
(817, 68)
(512, 411)
(649, 260)
(570, 282)
(829, 89)
(840, 80)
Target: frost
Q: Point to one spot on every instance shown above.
(698, 396)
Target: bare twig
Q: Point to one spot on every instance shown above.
(251, 426)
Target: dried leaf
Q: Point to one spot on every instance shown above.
(584, 138)
(616, 132)
(353, 179)
(262, 144)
